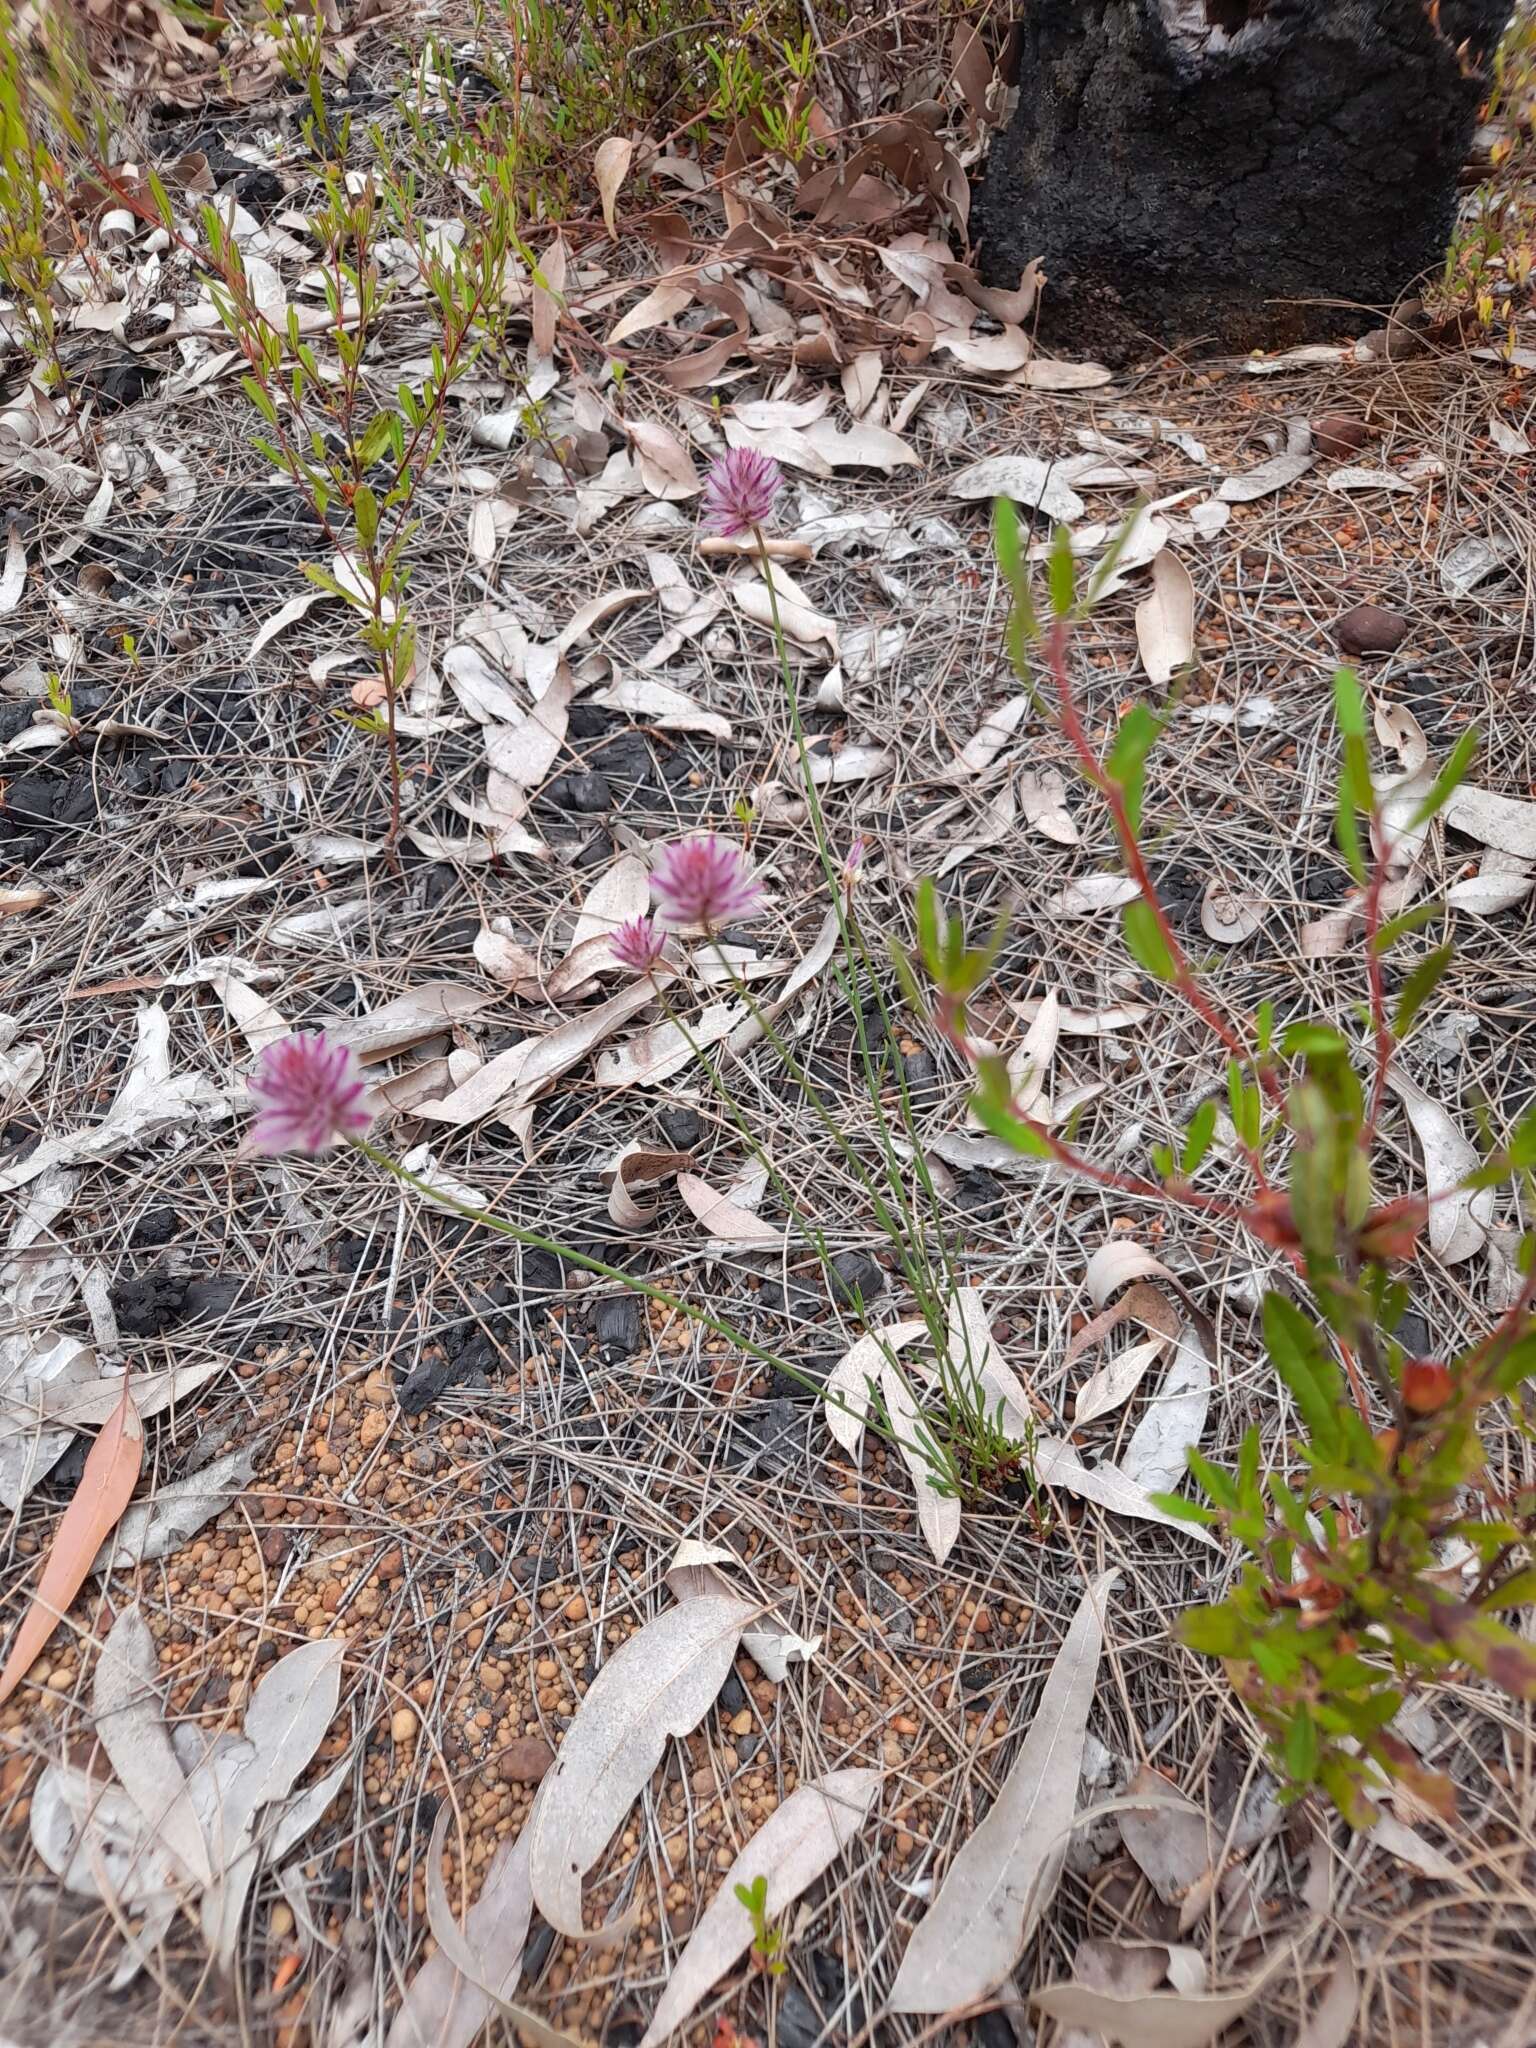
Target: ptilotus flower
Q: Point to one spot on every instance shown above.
(853, 864)
(638, 944)
(705, 880)
(739, 492)
(308, 1091)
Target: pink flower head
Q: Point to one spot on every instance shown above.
(308, 1092)
(638, 944)
(705, 880)
(853, 863)
(739, 492)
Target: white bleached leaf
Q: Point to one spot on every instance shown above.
(1153, 2019)
(1344, 481)
(666, 467)
(990, 737)
(1507, 822)
(802, 624)
(862, 446)
(438, 1185)
(520, 756)
(1458, 1217)
(1043, 800)
(620, 893)
(647, 697)
(1502, 881)
(13, 580)
(150, 1102)
(130, 1726)
(406, 1020)
(1209, 517)
(1165, 621)
(1045, 374)
(154, 1528)
(974, 1357)
(1002, 1878)
(659, 1683)
(1331, 2022)
(1091, 894)
(1058, 1464)
(289, 1716)
(667, 1047)
(1473, 560)
(851, 763)
(503, 958)
(846, 1397)
(938, 1514)
(1113, 1384)
(868, 651)
(1027, 479)
(1115, 1264)
(1278, 472)
(791, 1850)
(729, 1226)
(1230, 915)
(1174, 1421)
(610, 167)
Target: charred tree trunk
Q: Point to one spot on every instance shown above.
(1247, 172)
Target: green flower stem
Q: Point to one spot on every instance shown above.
(536, 1241)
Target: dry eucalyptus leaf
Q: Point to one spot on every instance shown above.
(610, 167)
(1058, 1464)
(1331, 2022)
(1500, 883)
(1002, 1878)
(636, 1168)
(1154, 2019)
(647, 697)
(153, 1528)
(846, 1397)
(1113, 1384)
(1043, 800)
(1027, 479)
(990, 737)
(1091, 894)
(938, 1514)
(1172, 1839)
(668, 1047)
(730, 1227)
(661, 1682)
(1280, 470)
(1230, 915)
(1174, 1421)
(791, 1850)
(972, 1354)
(1458, 1217)
(1165, 621)
(289, 1716)
(1506, 822)
(130, 1726)
(474, 1969)
(421, 1013)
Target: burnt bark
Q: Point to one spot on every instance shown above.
(1243, 172)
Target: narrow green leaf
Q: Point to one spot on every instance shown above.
(1002, 1123)
(1061, 573)
(1419, 986)
(1449, 780)
(1348, 703)
(1145, 942)
(1297, 1354)
(1197, 1140)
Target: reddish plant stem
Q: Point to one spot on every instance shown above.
(1184, 979)
(1376, 985)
